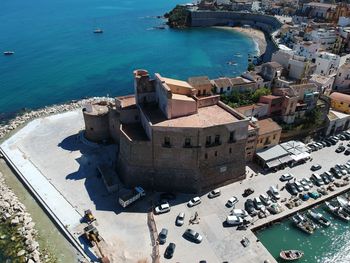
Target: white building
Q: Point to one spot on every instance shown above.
(326, 38)
(326, 63)
(307, 49)
(337, 122)
(323, 83)
(299, 67)
(342, 79)
(282, 57)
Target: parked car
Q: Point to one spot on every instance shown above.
(234, 220)
(232, 201)
(286, 177)
(239, 212)
(162, 208)
(340, 149)
(316, 167)
(258, 204)
(180, 219)
(194, 201)
(169, 251)
(274, 192)
(299, 186)
(309, 182)
(193, 236)
(317, 179)
(247, 192)
(265, 199)
(325, 178)
(162, 236)
(329, 176)
(305, 184)
(214, 193)
(249, 206)
(347, 151)
(291, 188)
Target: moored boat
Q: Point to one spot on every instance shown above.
(338, 212)
(291, 255)
(344, 203)
(319, 218)
(302, 223)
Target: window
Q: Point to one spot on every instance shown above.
(167, 141)
(199, 93)
(221, 90)
(187, 142)
(206, 156)
(228, 88)
(230, 150)
(274, 136)
(217, 139)
(232, 136)
(216, 153)
(208, 141)
(91, 128)
(339, 74)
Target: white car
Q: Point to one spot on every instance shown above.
(299, 186)
(305, 184)
(194, 201)
(163, 208)
(265, 199)
(258, 204)
(274, 192)
(234, 220)
(308, 181)
(239, 212)
(180, 219)
(232, 201)
(214, 193)
(286, 177)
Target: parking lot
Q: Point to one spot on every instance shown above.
(70, 166)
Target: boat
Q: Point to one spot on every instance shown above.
(98, 31)
(291, 255)
(159, 27)
(9, 53)
(319, 218)
(344, 203)
(305, 225)
(338, 212)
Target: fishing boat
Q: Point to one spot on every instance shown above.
(338, 212)
(9, 53)
(319, 218)
(302, 223)
(98, 31)
(344, 203)
(290, 255)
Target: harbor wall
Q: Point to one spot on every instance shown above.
(265, 23)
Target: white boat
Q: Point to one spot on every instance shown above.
(303, 224)
(9, 53)
(344, 203)
(291, 255)
(98, 31)
(319, 218)
(338, 212)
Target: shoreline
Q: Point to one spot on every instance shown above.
(256, 35)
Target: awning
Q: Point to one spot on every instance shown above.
(301, 156)
(273, 163)
(285, 159)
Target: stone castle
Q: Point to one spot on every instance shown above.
(171, 135)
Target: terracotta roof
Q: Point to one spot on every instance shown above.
(239, 81)
(340, 97)
(268, 126)
(222, 82)
(202, 80)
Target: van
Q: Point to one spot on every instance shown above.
(317, 179)
(273, 190)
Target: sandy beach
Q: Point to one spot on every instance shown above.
(257, 35)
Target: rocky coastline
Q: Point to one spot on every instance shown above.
(23, 118)
(20, 236)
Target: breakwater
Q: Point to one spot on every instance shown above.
(10, 125)
(267, 24)
(18, 233)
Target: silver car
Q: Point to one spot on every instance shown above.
(180, 219)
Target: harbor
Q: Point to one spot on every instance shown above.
(220, 243)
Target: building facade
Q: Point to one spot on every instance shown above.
(171, 139)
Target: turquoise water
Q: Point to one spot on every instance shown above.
(326, 245)
(58, 58)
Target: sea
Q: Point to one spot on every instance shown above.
(58, 57)
(327, 244)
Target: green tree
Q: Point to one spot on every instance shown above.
(260, 92)
(250, 67)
